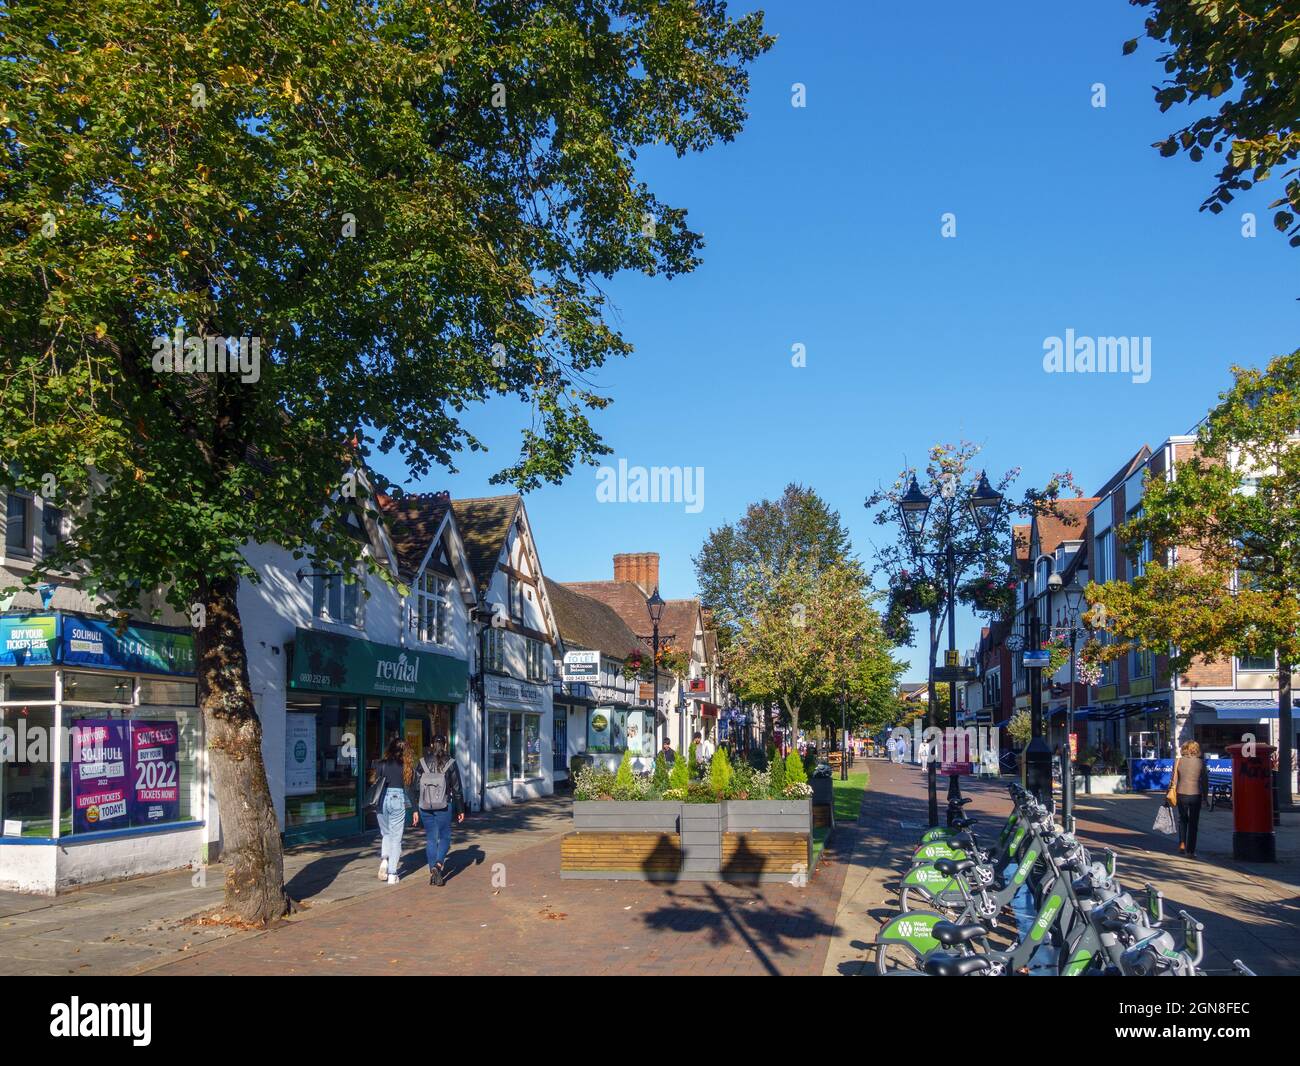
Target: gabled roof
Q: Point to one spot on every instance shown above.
(413, 522)
(710, 646)
(1064, 519)
(680, 621)
(626, 598)
(1124, 472)
(587, 623)
(484, 523)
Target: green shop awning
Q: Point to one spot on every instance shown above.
(331, 662)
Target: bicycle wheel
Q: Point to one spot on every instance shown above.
(904, 941)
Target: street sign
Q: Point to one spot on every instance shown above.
(645, 690)
(954, 673)
(1030, 659)
(582, 666)
(952, 657)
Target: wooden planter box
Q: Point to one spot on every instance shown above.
(739, 840)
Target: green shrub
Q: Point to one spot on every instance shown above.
(625, 782)
(680, 776)
(592, 783)
(794, 771)
(720, 773)
(758, 759)
(659, 780)
(778, 777)
(699, 792)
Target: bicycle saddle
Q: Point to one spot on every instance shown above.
(950, 933)
(961, 840)
(964, 822)
(955, 965)
(952, 867)
(959, 803)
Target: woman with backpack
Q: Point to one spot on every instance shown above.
(437, 784)
(396, 772)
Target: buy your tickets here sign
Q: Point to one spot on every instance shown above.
(125, 773)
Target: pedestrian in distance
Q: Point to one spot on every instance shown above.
(1189, 786)
(397, 773)
(703, 748)
(437, 784)
(667, 754)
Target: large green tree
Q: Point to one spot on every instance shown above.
(813, 637)
(1224, 576)
(1236, 64)
(740, 561)
(409, 205)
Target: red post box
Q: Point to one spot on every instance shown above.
(1252, 803)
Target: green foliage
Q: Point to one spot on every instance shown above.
(593, 783)
(680, 776)
(720, 773)
(1020, 728)
(778, 775)
(757, 758)
(624, 779)
(659, 779)
(1244, 58)
(794, 769)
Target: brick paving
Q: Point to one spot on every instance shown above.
(537, 924)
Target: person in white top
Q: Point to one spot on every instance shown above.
(703, 748)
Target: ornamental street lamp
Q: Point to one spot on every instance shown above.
(984, 505)
(655, 606)
(1073, 604)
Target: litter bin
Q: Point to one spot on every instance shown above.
(1253, 839)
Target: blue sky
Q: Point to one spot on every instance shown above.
(823, 228)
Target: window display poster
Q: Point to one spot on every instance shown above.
(100, 781)
(299, 754)
(155, 772)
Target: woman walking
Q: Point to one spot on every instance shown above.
(1190, 784)
(395, 770)
(437, 784)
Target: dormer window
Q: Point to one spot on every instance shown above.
(335, 600)
(432, 608)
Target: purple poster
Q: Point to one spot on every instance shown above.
(155, 772)
(100, 786)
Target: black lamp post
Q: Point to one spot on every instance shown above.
(984, 504)
(655, 606)
(1073, 603)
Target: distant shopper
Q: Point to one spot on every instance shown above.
(667, 754)
(395, 770)
(1190, 784)
(703, 749)
(437, 784)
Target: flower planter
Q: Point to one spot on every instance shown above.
(737, 840)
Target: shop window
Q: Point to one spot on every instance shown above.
(29, 686)
(498, 747)
(98, 688)
(129, 769)
(168, 693)
(18, 524)
(334, 599)
(321, 765)
(526, 745)
(27, 778)
(432, 609)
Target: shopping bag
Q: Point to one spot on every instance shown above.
(1165, 821)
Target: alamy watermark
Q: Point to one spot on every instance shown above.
(1098, 355)
(176, 353)
(655, 484)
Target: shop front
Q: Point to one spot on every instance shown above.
(102, 768)
(518, 738)
(347, 698)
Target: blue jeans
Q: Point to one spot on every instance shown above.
(392, 821)
(437, 833)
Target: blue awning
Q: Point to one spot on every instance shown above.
(1238, 710)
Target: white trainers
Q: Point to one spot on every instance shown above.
(383, 869)
(392, 879)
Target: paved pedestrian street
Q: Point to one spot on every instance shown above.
(506, 910)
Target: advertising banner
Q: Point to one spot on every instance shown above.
(300, 755)
(331, 662)
(100, 782)
(139, 648)
(31, 640)
(155, 772)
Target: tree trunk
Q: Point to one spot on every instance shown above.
(250, 834)
(1286, 734)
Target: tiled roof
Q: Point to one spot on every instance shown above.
(625, 597)
(1020, 537)
(483, 523)
(412, 522)
(1064, 519)
(589, 623)
(681, 619)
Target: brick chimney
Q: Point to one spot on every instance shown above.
(642, 568)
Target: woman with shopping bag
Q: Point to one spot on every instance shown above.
(1188, 786)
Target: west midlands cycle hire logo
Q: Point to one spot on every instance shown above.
(133, 1021)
